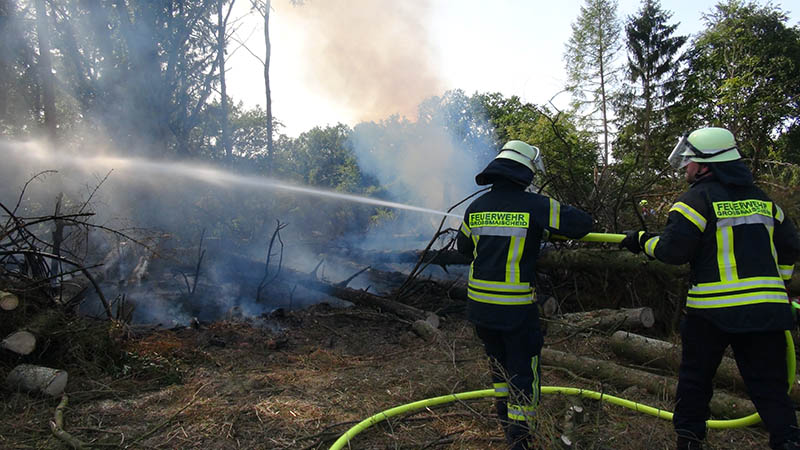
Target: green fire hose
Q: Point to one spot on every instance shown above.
(791, 366)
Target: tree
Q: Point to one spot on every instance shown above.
(222, 39)
(590, 56)
(744, 74)
(19, 86)
(263, 7)
(45, 66)
(652, 69)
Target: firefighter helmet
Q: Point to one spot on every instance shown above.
(528, 155)
(705, 145)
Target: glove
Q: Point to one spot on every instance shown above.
(631, 242)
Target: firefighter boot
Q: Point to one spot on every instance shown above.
(517, 435)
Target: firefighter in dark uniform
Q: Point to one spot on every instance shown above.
(741, 248)
(502, 233)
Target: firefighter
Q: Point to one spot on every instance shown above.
(502, 233)
(741, 248)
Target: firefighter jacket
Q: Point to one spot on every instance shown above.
(741, 248)
(502, 232)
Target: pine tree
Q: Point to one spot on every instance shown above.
(653, 71)
(591, 68)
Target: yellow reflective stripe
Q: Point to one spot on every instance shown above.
(500, 389)
(650, 246)
(786, 271)
(536, 385)
(512, 249)
(555, 214)
(465, 229)
(515, 248)
(690, 214)
(501, 286)
(500, 299)
(779, 214)
(521, 413)
(751, 298)
(771, 230)
(726, 261)
(744, 283)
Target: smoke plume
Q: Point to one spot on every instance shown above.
(373, 56)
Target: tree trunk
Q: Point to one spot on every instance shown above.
(722, 404)
(267, 55)
(222, 23)
(45, 69)
(666, 355)
(604, 319)
(37, 379)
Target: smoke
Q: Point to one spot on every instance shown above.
(374, 57)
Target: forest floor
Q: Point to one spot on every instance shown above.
(307, 377)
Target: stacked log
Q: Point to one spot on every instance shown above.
(37, 379)
(603, 319)
(722, 404)
(8, 301)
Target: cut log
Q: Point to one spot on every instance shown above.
(37, 379)
(666, 355)
(24, 340)
(604, 319)
(8, 301)
(20, 342)
(722, 404)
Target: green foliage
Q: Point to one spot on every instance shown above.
(744, 74)
(652, 70)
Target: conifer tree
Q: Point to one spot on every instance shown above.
(591, 68)
(652, 70)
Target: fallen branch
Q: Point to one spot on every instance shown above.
(57, 426)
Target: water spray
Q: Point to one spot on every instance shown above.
(209, 175)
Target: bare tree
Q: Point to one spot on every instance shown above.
(263, 7)
(222, 25)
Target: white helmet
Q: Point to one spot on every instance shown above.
(705, 145)
(527, 155)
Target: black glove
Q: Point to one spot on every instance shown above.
(631, 242)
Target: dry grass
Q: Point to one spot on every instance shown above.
(234, 386)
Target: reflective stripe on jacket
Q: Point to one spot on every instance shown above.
(502, 232)
(741, 248)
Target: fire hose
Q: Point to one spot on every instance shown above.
(752, 419)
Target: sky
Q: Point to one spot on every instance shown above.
(354, 60)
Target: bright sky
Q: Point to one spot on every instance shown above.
(350, 60)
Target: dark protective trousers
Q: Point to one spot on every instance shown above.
(514, 356)
(761, 358)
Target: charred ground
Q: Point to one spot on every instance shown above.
(299, 379)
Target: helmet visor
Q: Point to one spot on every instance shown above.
(679, 158)
(537, 160)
